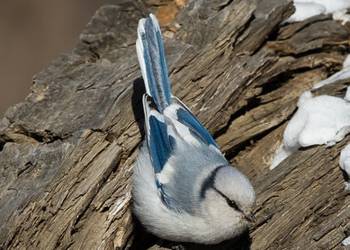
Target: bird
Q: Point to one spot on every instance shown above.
(183, 189)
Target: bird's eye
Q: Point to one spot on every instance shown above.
(233, 204)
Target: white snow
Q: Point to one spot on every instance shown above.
(281, 153)
(346, 62)
(340, 75)
(341, 15)
(330, 5)
(346, 241)
(347, 94)
(307, 8)
(344, 163)
(320, 120)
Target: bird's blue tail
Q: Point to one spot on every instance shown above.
(150, 52)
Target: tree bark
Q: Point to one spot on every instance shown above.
(66, 152)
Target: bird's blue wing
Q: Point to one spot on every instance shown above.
(160, 143)
(185, 116)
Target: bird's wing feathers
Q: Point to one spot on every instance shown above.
(159, 141)
(160, 144)
(183, 115)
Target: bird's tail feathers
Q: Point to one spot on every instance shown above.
(151, 56)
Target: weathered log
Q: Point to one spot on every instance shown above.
(67, 151)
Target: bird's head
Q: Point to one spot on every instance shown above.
(229, 197)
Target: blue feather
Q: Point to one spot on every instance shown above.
(185, 116)
(152, 58)
(159, 142)
(166, 199)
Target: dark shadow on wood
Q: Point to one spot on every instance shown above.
(345, 175)
(242, 242)
(144, 240)
(136, 102)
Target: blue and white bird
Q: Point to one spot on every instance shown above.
(183, 187)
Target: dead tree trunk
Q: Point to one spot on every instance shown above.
(67, 151)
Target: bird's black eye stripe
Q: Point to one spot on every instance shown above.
(209, 182)
(231, 203)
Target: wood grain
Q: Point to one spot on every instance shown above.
(66, 151)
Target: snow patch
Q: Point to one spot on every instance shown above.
(344, 73)
(347, 94)
(340, 75)
(344, 163)
(280, 155)
(346, 62)
(346, 241)
(305, 9)
(341, 15)
(320, 120)
(330, 5)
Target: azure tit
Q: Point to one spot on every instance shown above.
(183, 187)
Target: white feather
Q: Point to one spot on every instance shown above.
(140, 54)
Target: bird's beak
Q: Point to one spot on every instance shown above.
(250, 217)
